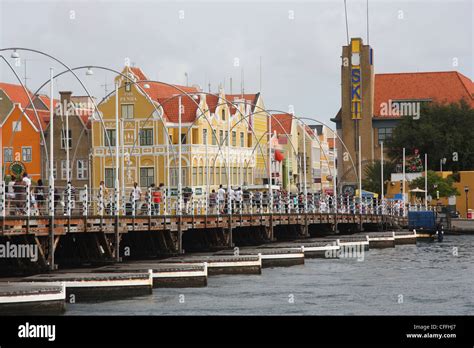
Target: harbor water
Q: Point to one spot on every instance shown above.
(429, 278)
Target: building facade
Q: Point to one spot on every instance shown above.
(23, 119)
(154, 118)
(372, 104)
(73, 136)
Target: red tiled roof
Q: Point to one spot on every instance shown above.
(281, 123)
(309, 131)
(442, 87)
(138, 73)
(212, 102)
(16, 93)
(46, 100)
(157, 90)
(468, 84)
(171, 107)
(160, 90)
(250, 98)
(43, 116)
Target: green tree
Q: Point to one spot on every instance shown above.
(442, 131)
(372, 175)
(436, 183)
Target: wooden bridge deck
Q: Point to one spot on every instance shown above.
(78, 240)
(40, 226)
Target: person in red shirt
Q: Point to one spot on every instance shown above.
(156, 198)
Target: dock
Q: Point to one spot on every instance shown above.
(358, 241)
(18, 298)
(87, 286)
(220, 264)
(272, 257)
(165, 275)
(310, 249)
(425, 236)
(381, 240)
(404, 237)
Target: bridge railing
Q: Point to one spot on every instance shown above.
(23, 199)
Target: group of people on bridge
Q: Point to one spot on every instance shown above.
(24, 198)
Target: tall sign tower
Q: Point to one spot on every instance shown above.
(355, 117)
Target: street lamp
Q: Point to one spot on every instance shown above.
(89, 72)
(466, 190)
(441, 162)
(15, 54)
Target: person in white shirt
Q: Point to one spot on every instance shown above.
(11, 192)
(136, 195)
(322, 205)
(238, 198)
(231, 198)
(220, 198)
(26, 179)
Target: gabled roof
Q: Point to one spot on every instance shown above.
(157, 90)
(29, 115)
(17, 93)
(163, 94)
(166, 95)
(43, 117)
(249, 98)
(309, 131)
(171, 108)
(212, 102)
(46, 100)
(442, 87)
(85, 116)
(282, 123)
(138, 73)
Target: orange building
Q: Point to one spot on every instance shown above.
(21, 142)
(21, 128)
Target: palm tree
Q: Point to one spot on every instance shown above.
(371, 182)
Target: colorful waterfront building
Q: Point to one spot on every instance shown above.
(328, 154)
(73, 135)
(148, 136)
(285, 128)
(21, 130)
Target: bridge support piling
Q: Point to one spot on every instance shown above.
(270, 234)
(180, 234)
(117, 239)
(51, 244)
(305, 227)
(231, 239)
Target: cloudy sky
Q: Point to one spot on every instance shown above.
(299, 43)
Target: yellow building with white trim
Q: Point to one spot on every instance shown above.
(148, 110)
